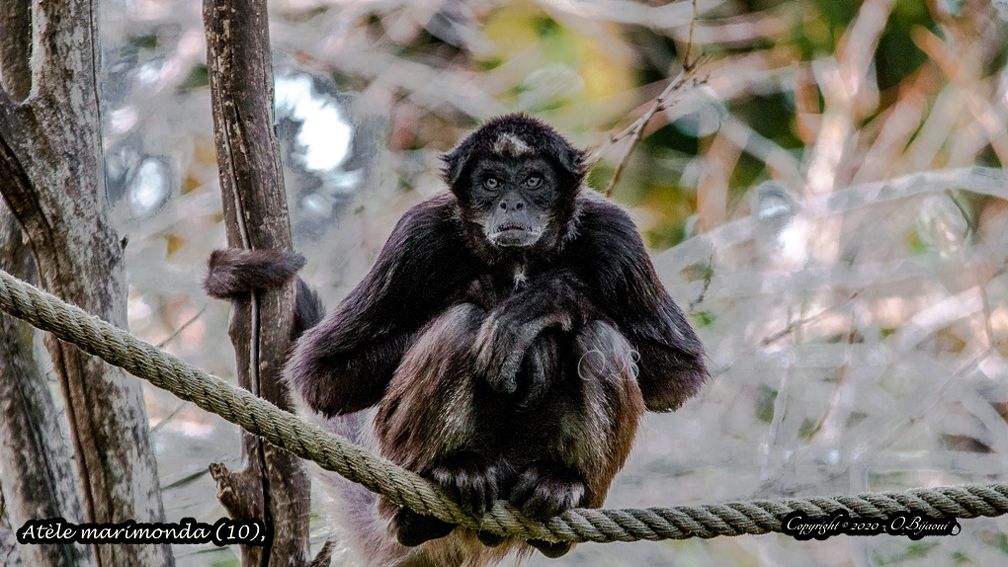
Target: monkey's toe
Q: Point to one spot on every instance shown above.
(471, 480)
(550, 549)
(412, 529)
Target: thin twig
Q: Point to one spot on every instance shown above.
(184, 326)
(770, 339)
(664, 101)
(157, 427)
(689, 40)
(834, 400)
(708, 278)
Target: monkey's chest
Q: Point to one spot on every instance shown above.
(490, 288)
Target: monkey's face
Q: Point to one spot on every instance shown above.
(513, 200)
(516, 180)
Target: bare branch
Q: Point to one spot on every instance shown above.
(665, 100)
(689, 40)
(15, 48)
(37, 477)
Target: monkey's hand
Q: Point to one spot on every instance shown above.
(502, 342)
(509, 329)
(537, 367)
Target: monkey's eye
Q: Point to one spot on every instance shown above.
(492, 183)
(533, 181)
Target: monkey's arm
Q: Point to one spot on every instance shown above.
(623, 284)
(344, 363)
(507, 337)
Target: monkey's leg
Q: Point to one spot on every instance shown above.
(595, 413)
(426, 421)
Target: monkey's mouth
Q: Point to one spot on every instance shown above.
(513, 234)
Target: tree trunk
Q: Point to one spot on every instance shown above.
(38, 480)
(273, 485)
(52, 177)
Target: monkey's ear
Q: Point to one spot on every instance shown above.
(571, 159)
(454, 163)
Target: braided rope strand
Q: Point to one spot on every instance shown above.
(337, 454)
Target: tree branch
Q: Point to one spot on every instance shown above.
(665, 100)
(15, 48)
(37, 478)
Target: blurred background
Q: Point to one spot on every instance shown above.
(826, 198)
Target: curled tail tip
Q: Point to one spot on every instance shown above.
(234, 272)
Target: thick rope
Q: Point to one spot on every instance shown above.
(403, 487)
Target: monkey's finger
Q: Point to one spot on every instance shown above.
(535, 371)
(486, 338)
(509, 370)
(470, 481)
(501, 382)
(477, 493)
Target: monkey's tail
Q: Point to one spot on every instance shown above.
(234, 273)
(361, 534)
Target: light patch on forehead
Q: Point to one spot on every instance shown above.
(509, 143)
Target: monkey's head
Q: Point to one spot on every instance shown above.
(515, 179)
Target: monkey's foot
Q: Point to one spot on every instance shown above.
(550, 549)
(545, 490)
(470, 480)
(412, 529)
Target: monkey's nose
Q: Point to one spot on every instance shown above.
(515, 205)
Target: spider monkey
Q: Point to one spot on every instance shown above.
(508, 338)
